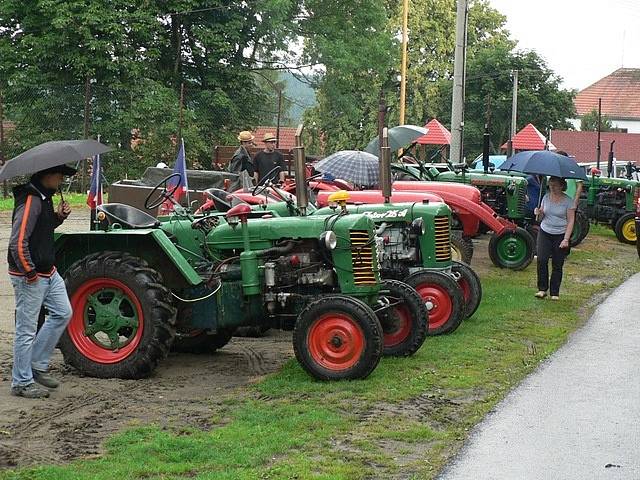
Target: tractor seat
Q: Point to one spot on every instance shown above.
(128, 216)
(219, 198)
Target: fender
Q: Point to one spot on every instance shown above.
(152, 245)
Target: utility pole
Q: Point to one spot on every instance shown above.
(598, 148)
(514, 114)
(486, 138)
(457, 103)
(279, 88)
(403, 66)
(180, 114)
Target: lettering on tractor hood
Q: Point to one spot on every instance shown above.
(388, 214)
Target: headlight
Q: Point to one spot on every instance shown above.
(329, 240)
(417, 226)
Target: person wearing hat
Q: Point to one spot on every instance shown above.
(268, 159)
(36, 283)
(241, 163)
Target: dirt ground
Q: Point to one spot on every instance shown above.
(84, 411)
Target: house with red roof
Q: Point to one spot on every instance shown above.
(582, 145)
(620, 94)
(287, 135)
(437, 134)
(529, 138)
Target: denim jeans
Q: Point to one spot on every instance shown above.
(31, 350)
(549, 248)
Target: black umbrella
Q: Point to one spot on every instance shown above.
(544, 162)
(51, 154)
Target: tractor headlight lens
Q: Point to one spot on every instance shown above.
(418, 227)
(329, 240)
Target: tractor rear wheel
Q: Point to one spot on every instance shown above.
(461, 248)
(405, 325)
(580, 229)
(512, 249)
(625, 229)
(471, 287)
(443, 298)
(338, 338)
(123, 322)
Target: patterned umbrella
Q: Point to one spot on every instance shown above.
(360, 168)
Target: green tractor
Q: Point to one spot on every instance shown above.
(137, 281)
(612, 201)
(414, 242)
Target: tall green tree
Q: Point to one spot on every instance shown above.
(589, 122)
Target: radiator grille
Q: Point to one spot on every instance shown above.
(443, 239)
(362, 258)
(521, 192)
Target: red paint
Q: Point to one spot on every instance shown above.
(403, 330)
(442, 305)
(84, 344)
(336, 341)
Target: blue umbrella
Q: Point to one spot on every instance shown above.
(353, 166)
(544, 162)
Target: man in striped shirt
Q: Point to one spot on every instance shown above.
(36, 283)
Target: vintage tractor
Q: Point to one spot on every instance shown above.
(611, 201)
(137, 280)
(416, 245)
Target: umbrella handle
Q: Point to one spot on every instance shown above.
(61, 195)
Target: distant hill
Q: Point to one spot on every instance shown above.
(302, 96)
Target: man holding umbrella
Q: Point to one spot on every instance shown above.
(31, 259)
(35, 281)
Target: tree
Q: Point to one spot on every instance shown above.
(541, 101)
(589, 122)
(136, 58)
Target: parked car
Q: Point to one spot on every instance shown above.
(495, 161)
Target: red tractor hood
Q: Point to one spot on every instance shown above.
(465, 191)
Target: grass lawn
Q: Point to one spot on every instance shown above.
(405, 421)
(74, 199)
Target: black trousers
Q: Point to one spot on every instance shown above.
(548, 247)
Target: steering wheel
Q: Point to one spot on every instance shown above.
(165, 194)
(263, 184)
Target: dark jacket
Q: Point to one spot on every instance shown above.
(31, 249)
(240, 162)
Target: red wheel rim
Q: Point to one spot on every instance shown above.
(439, 304)
(336, 341)
(76, 328)
(401, 328)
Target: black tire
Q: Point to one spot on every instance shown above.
(350, 314)
(580, 229)
(533, 230)
(513, 249)
(461, 247)
(625, 229)
(198, 341)
(444, 295)
(404, 326)
(137, 358)
(470, 285)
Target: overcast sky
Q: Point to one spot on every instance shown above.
(582, 40)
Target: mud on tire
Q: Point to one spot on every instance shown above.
(126, 283)
(405, 326)
(338, 338)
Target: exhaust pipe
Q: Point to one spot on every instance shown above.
(300, 172)
(385, 166)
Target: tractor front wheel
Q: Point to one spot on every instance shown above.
(469, 282)
(338, 338)
(406, 323)
(443, 299)
(461, 248)
(123, 322)
(512, 249)
(625, 229)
